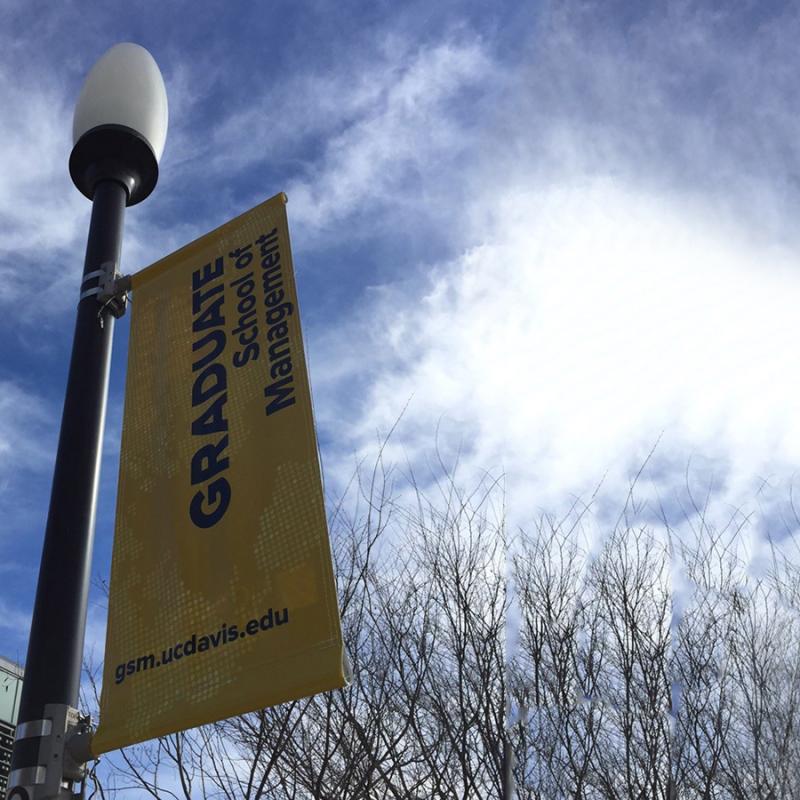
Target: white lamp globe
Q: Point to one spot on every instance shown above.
(120, 123)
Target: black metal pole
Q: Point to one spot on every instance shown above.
(55, 648)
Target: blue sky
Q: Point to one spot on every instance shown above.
(555, 231)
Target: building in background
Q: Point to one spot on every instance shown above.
(10, 691)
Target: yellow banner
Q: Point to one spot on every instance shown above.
(222, 594)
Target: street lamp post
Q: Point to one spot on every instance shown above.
(119, 131)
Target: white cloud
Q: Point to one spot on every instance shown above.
(26, 426)
(623, 240)
(42, 218)
(591, 319)
(682, 95)
(367, 135)
(401, 134)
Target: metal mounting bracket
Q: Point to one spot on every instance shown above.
(109, 286)
(63, 750)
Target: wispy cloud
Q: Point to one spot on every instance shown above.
(592, 320)
(390, 153)
(626, 268)
(26, 427)
(681, 95)
(40, 214)
(361, 137)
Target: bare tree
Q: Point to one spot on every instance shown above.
(655, 664)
